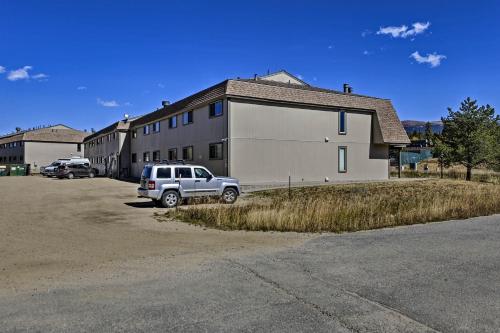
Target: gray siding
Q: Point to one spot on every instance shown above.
(269, 142)
(202, 132)
(107, 155)
(39, 154)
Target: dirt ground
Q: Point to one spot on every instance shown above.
(55, 232)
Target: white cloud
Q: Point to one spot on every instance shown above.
(366, 52)
(108, 104)
(433, 59)
(366, 33)
(403, 31)
(161, 85)
(40, 77)
(330, 47)
(2, 69)
(81, 88)
(127, 104)
(19, 74)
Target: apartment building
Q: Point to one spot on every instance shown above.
(40, 146)
(109, 149)
(265, 129)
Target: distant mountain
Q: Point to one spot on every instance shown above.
(418, 126)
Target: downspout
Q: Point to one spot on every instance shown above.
(228, 169)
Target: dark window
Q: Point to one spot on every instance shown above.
(156, 156)
(215, 151)
(156, 127)
(79, 147)
(172, 122)
(21, 158)
(216, 109)
(342, 159)
(183, 173)
(145, 157)
(145, 130)
(342, 122)
(114, 135)
(201, 173)
(14, 158)
(187, 117)
(163, 173)
(134, 134)
(187, 153)
(172, 154)
(134, 158)
(146, 172)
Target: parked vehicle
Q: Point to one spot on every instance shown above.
(166, 184)
(51, 170)
(75, 170)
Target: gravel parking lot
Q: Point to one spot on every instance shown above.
(87, 255)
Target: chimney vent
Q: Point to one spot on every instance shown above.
(255, 77)
(347, 88)
(165, 103)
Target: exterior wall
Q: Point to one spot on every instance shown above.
(39, 154)
(199, 134)
(104, 156)
(268, 142)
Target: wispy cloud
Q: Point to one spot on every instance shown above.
(40, 77)
(161, 85)
(366, 33)
(366, 52)
(330, 47)
(108, 104)
(19, 74)
(81, 88)
(127, 104)
(2, 69)
(403, 31)
(432, 59)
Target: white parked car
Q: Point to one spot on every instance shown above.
(50, 170)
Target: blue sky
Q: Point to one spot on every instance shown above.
(86, 63)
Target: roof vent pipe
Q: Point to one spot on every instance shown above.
(165, 103)
(255, 77)
(347, 88)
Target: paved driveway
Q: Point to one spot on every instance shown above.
(426, 278)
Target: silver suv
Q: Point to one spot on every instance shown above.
(166, 184)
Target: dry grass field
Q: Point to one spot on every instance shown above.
(348, 207)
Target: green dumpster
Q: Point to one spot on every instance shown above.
(4, 171)
(18, 170)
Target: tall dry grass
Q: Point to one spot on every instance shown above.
(353, 207)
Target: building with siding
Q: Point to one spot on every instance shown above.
(41, 146)
(109, 149)
(265, 129)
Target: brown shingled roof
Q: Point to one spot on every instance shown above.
(391, 129)
(48, 134)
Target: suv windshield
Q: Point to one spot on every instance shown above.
(146, 172)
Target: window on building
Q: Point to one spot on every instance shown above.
(156, 156)
(134, 134)
(172, 154)
(78, 147)
(216, 109)
(215, 151)
(113, 136)
(187, 118)
(21, 143)
(146, 157)
(21, 158)
(145, 130)
(342, 159)
(156, 127)
(164, 173)
(134, 158)
(14, 158)
(172, 122)
(109, 137)
(342, 122)
(187, 153)
(183, 172)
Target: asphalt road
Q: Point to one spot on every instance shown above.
(441, 277)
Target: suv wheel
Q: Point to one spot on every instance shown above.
(170, 199)
(229, 195)
(71, 175)
(91, 175)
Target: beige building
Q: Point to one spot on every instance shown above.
(265, 129)
(41, 146)
(109, 149)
